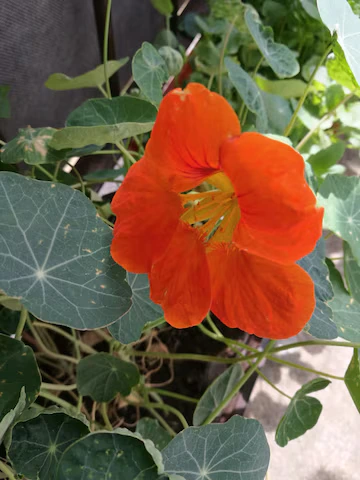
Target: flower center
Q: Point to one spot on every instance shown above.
(214, 212)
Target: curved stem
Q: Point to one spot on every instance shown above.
(21, 324)
(52, 386)
(156, 323)
(168, 408)
(104, 414)
(161, 421)
(45, 172)
(166, 393)
(7, 470)
(182, 356)
(106, 47)
(222, 53)
(239, 384)
(83, 346)
(301, 367)
(125, 152)
(103, 91)
(269, 382)
(288, 129)
(57, 400)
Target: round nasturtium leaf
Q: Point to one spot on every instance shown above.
(18, 369)
(102, 376)
(54, 253)
(109, 456)
(38, 444)
(150, 429)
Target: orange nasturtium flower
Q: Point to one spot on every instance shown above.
(230, 246)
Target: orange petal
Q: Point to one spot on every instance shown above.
(147, 214)
(279, 219)
(189, 130)
(180, 280)
(258, 296)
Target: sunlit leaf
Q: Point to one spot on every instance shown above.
(352, 378)
(149, 72)
(93, 78)
(18, 369)
(37, 444)
(352, 273)
(324, 159)
(280, 58)
(150, 429)
(4, 101)
(293, 88)
(216, 393)
(102, 120)
(232, 450)
(310, 7)
(54, 253)
(302, 413)
(165, 7)
(339, 70)
(102, 376)
(334, 95)
(128, 328)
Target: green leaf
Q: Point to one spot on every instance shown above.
(302, 413)
(103, 120)
(280, 58)
(31, 145)
(37, 444)
(293, 88)
(173, 60)
(321, 324)
(149, 72)
(341, 198)
(93, 78)
(352, 378)
(18, 369)
(102, 175)
(150, 429)
(4, 101)
(55, 255)
(339, 70)
(128, 328)
(324, 159)
(333, 96)
(109, 456)
(102, 376)
(216, 393)
(339, 18)
(346, 311)
(233, 450)
(352, 273)
(310, 7)
(9, 321)
(165, 7)
(248, 91)
(12, 416)
(278, 113)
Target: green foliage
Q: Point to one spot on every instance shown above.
(18, 370)
(284, 88)
(150, 429)
(104, 175)
(302, 413)
(128, 328)
(102, 120)
(102, 376)
(165, 7)
(235, 449)
(324, 159)
(38, 444)
(340, 71)
(91, 79)
(352, 378)
(216, 393)
(12, 416)
(55, 253)
(149, 72)
(310, 7)
(352, 273)
(4, 101)
(173, 60)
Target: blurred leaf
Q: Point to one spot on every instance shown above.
(149, 72)
(111, 456)
(166, 38)
(93, 78)
(31, 145)
(173, 59)
(128, 328)
(352, 378)
(4, 101)
(280, 58)
(102, 376)
(349, 115)
(37, 444)
(302, 413)
(102, 175)
(150, 429)
(293, 88)
(9, 320)
(165, 7)
(18, 369)
(310, 178)
(310, 7)
(55, 255)
(10, 303)
(340, 196)
(103, 120)
(232, 450)
(324, 159)
(352, 273)
(12, 416)
(333, 96)
(347, 30)
(216, 393)
(248, 91)
(340, 71)
(320, 324)
(346, 311)
(278, 113)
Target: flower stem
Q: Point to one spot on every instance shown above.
(45, 172)
(156, 323)
(239, 384)
(182, 356)
(301, 367)
(104, 414)
(125, 152)
(103, 91)
(288, 129)
(57, 400)
(106, 47)
(269, 382)
(21, 324)
(65, 388)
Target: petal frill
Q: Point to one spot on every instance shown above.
(279, 219)
(147, 214)
(189, 129)
(180, 280)
(259, 296)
